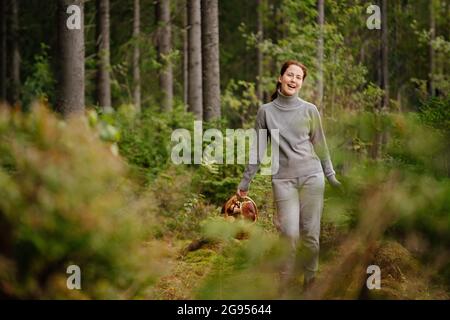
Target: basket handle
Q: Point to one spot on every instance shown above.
(250, 199)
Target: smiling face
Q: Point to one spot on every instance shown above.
(291, 81)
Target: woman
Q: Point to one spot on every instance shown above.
(304, 162)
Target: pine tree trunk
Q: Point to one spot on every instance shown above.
(164, 50)
(3, 50)
(185, 56)
(380, 136)
(103, 61)
(195, 99)
(384, 54)
(385, 32)
(259, 54)
(431, 50)
(210, 59)
(70, 99)
(15, 55)
(321, 17)
(136, 55)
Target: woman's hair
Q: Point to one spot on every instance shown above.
(283, 70)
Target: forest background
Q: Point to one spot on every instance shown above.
(92, 91)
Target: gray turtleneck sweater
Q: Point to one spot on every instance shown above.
(301, 141)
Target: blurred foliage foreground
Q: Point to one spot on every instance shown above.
(66, 200)
(139, 227)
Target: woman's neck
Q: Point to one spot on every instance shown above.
(285, 101)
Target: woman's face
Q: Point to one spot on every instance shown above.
(291, 81)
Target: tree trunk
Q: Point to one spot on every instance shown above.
(385, 31)
(432, 61)
(210, 56)
(333, 90)
(15, 55)
(397, 11)
(103, 61)
(259, 54)
(164, 50)
(185, 55)
(195, 100)
(384, 54)
(444, 65)
(321, 17)
(3, 49)
(380, 136)
(136, 54)
(70, 99)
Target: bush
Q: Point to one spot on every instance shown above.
(40, 84)
(144, 137)
(435, 112)
(411, 179)
(66, 200)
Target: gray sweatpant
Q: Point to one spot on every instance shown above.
(299, 203)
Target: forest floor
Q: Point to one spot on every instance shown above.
(403, 276)
(219, 270)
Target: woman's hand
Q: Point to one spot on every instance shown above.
(334, 182)
(242, 193)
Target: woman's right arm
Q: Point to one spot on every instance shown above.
(259, 147)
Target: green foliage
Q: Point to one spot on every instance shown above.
(435, 112)
(246, 268)
(240, 103)
(416, 155)
(179, 205)
(217, 182)
(40, 84)
(66, 200)
(143, 137)
(232, 45)
(347, 86)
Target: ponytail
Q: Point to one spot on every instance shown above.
(275, 93)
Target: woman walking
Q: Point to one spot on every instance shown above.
(304, 163)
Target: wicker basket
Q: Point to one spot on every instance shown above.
(241, 207)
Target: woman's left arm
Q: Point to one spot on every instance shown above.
(320, 146)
